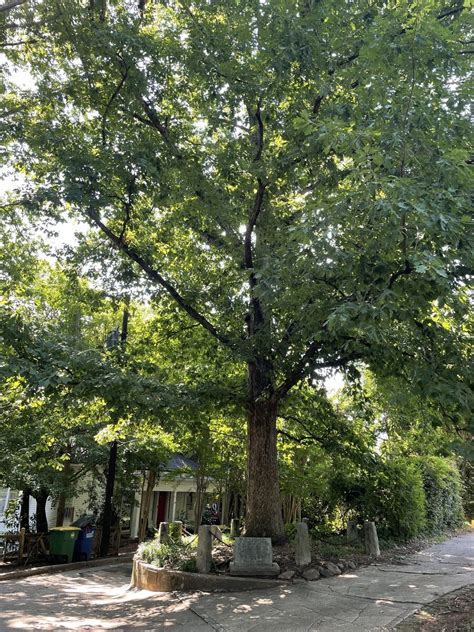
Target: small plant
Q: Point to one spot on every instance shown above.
(290, 530)
(173, 555)
(175, 531)
(189, 565)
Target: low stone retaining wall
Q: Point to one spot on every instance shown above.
(148, 577)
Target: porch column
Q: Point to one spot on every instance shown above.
(135, 517)
(173, 506)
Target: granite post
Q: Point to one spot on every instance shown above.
(215, 530)
(234, 528)
(352, 533)
(371, 540)
(163, 533)
(204, 550)
(302, 545)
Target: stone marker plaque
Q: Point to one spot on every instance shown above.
(253, 556)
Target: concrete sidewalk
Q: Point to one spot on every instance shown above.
(374, 598)
(369, 599)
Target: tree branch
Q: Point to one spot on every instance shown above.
(128, 203)
(156, 277)
(297, 371)
(255, 319)
(11, 5)
(302, 440)
(252, 220)
(113, 96)
(450, 11)
(408, 269)
(306, 362)
(258, 118)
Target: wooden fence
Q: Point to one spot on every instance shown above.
(22, 548)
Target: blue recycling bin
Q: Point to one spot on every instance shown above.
(85, 539)
(83, 545)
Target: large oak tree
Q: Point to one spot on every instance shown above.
(290, 174)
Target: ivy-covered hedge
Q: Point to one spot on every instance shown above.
(417, 496)
(443, 493)
(401, 499)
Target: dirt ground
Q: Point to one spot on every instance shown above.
(453, 612)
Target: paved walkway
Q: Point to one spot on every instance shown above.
(375, 598)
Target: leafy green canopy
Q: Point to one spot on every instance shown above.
(63, 394)
(309, 157)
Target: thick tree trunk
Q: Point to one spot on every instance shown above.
(263, 516)
(41, 520)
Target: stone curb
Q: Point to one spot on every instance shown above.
(59, 568)
(148, 577)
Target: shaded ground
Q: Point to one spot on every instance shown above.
(375, 598)
(11, 566)
(453, 612)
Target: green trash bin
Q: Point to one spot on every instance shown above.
(61, 543)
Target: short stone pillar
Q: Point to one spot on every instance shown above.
(371, 540)
(234, 528)
(302, 545)
(216, 531)
(163, 533)
(204, 550)
(253, 556)
(352, 533)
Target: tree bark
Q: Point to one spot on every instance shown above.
(201, 486)
(62, 496)
(225, 511)
(60, 510)
(41, 520)
(263, 515)
(112, 465)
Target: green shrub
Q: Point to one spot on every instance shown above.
(290, 530)
(443, 492)
(189, 565)
(175, 555)
(175, 531)
(398, 504)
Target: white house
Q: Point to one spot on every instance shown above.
(173, 499)
(174, 495)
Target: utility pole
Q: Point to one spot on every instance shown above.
(112, 464)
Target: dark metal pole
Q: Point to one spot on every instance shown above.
(112, 465)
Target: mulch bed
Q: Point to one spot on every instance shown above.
(453, 612)
(283, 555)
(336, 550)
